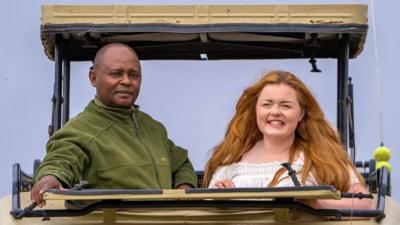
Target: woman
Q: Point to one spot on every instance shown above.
(278, 120)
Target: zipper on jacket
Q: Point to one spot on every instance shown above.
(135, 124)
(135, 131)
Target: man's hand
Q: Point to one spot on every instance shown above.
(225, 184)
(48, 181)
(184, 186)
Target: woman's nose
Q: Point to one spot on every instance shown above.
(275, 111)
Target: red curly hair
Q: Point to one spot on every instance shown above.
(324, 156)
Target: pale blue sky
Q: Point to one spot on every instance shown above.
(194, 99)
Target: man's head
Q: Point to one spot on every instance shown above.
(116, 75)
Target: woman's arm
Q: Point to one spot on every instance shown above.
(345, 203)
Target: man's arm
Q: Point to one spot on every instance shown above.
(62, 166)
(183, 174)
(65, 159)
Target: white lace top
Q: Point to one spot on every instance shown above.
(260, 174)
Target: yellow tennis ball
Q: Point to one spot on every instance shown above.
(382, 154)
(385, 164)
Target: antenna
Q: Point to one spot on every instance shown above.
(377, 72)
(381, 154)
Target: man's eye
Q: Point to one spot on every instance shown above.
(133, 75)
(115, 74)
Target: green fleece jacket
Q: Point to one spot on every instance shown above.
(115, 148)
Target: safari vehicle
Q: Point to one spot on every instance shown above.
(199, 32)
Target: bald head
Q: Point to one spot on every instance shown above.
(98, 59)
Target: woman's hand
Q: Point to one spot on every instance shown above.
(225, 184)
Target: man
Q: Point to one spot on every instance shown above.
(112, 144)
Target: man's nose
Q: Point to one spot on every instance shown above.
(125, 80)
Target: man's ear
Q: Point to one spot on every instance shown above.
(93, 77)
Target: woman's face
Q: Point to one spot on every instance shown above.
(278, 111)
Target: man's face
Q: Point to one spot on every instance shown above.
(117, 77)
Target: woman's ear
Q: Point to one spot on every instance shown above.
(302, 115)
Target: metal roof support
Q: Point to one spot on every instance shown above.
(342, 88)
(350, 107)
(57, 91)
(65, 86)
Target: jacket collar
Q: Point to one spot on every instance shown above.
(134, 108)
